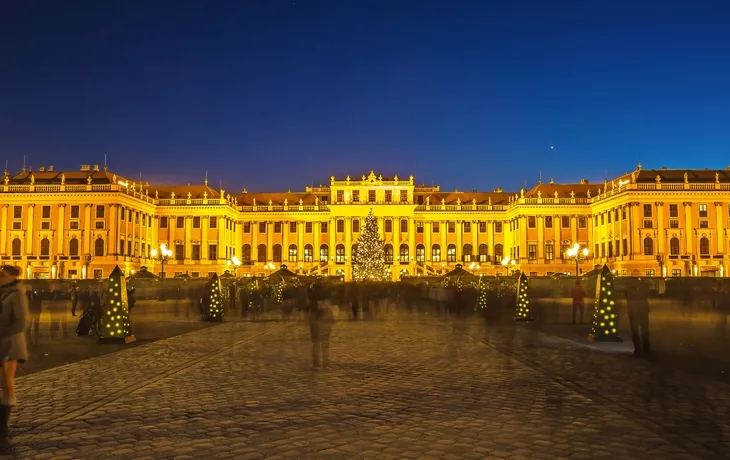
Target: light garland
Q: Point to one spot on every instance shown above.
(522, 308)
(115, 323)
(213, 300)
(482, 298)
(369, 259)
(605, 313)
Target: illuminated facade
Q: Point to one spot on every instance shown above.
(80, 224)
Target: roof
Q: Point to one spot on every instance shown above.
(277, 199)
(181, 191)
(467, 198)
(65, 177)
(563, 190)
(678, 175)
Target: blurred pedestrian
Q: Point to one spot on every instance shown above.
(74, 299)
(578, 293)
(34, 318)
(637, 300)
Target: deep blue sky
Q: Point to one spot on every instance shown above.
(275, 94)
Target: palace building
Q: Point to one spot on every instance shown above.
(81, 224)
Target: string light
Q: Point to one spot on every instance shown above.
(605, 313)
(482, 298)
(214, 300)
(115, 322)
(370, 256)
(522, 308)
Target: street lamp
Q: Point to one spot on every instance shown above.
(270, 267)
(577, 253)
(235, 263)
(474, 266)
(507, 261)
(162, 255)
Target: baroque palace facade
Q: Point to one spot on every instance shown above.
(80, 224)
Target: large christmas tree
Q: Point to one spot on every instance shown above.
(369, 260)
(115, 324)
(522, 308)
(213, 301)
(605, 311)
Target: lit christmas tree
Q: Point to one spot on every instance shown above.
(213, 300)
(522, 309)
(115, 324)
(370, 256)
(482, 297)
(605, 311)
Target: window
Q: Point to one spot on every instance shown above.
(532, 252)
(498, 253)
(129, 215)
(99, 225)
(419, 227)
(649, 272)
(435, 227)
(674, 246)
(549, 251)
(262, 227)
(73, 247)
(388, 196)
(17, 212)
(16, 247)
(195, 249)
(179, 252)
(355, 225)
(196, 222)
(609, 216)
(323, 227)
(451, 253)
(648, 246)
(704, 247)
(261, 253)
(581, 221)
(180, 222)
(647, 210)
(467, 227)
(451, 226)
(46, 225)
(277, 227)
(498, 227)
(371, 196)
(99, 211)
(419, 199)
(213, 222)
(704, 223)
(292, 253)
(292, 227)
(98, 274)
(340, 226)
(676, 272)
(436, 253)
(74, 212)
(213, 252)
(354, 252)
(388, 251)
(324, 253)
(356, 196)
(466, 253)
(404, 196)
(246, 254)
(420, 253)
(625, 246)
(388, 226)
(703, 210)
(404, 225)
(45, 248)
(610, 247)
(603, 250)
(46, 212)
(404, 254)
(482, 227)
(548, 221)
(340, 196)
(603, 218)
(99, 247)
(277, 253)
(163, 222)
(308, 253)
(308, 227)
(673, 223)
(531, 222)
(247, 227)
(565, 221)
(340, 254)
(673, 210)
(648, 223)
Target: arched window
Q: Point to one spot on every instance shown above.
(246, 254)
(261, 253)
(45, 248)
(73, 247)
(451, 253)
(99, 247)
(388, 250)
(292, 253)
(340, 253)
(436, 253)
(704, 246)
(354, 253)
(648, 246)
(466, 256)
(277, 253)
(324, 253)
(403, 256)
(16, 247)
(420, 253)
(498, 253)
(483, 253)
(308, 253)
(674, 246)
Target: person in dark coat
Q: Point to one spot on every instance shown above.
(95, 306)
(74, 299)
(320, 326)
(34, 318)
(637, 300)
(13, 346)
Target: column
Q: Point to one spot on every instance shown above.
(113, 230)
(315, 241)
(269, 241)
(428, 229)
(719, 234)
(411, 246)
(254, 242)
(443, 228)
(285, 242)
(459, 241)
(522, 229)
(688, 230)
(541, 239)
(661, 233)
(396, 240)
(331, 227)
(631, 230)
(490, 238)
(30, 232)
(620, 234)
(348, 245)
(204, 229)
(85, 241)
(60, 231)
(188, 238)
(221, 238)
(300, 242)
(4, 230)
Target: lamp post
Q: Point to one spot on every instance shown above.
(270, 267)
(507, 261)
(235, 263)
(162, 255)
(577, 253)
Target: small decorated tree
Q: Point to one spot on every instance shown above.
(522, 308)
(482, 292)
(370, 256)
(213, 301)
(115, 324)
(605, 311)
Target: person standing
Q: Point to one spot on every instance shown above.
(579, 294)
(13, 347)
(74, 299)
(34, 307)
(637, 300)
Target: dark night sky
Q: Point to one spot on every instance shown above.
(277, 94)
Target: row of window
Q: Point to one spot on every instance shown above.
(611, 249)
(549, 222)
(372, 196)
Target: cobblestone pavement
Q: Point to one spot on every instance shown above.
(396, 389)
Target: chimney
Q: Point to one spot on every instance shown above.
(96, 167)
(50, 168)
(498, 190)
(583, 181)
(85, 168)
(42, 169)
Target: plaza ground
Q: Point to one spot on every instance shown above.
(401, 388)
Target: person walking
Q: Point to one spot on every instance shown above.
(74, 299)
(578, 293)
(13, 346)
(34, 318)
(637, 300)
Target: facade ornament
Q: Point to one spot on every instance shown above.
(599, 190)
(473, 201)
(147, 192)
(244, 191)
(572, 194)
(686, 178)
(6, 179)
(114, 178)
(490, 201)
(157, 195)
(443, 201)
(269, 202)
(539, 194)
(428, 200)
(63, 179)
(658, 179)
(522, 193)
(235, 200)
(286, 202)
(223, 193)
(189, 195)
(555, 194)
(411, 178)
(380, 177)
(396, 180)
(458, 201)
(717, 177)
(205, 195)
(228, 197)
(300, 201)
(588, 193)
(32, 179)
(605, 185)
(638, 167)
(172, 195)
(88, 180)
(348, 178)
(613, 184)
(363, 177)
(633, 177)
(254, 201)
(133, 186)
(332, 180)
(552, 181)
